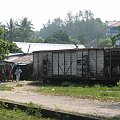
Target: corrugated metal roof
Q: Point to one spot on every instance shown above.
(74, 50)
(20, 59)
(31, 47)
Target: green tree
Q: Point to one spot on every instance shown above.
(73, 40)
(51, 39)
(13, 47)
(38, 40)
(82, 38)
(88, 15)
(50, 28)
(19, 30)
(58, 37)
(6, 47)
(1, 31)
(69, 18)
(114, 38)
(105, 43)
(11, 31)
(82, 26)
(3, 49)
(25, 30)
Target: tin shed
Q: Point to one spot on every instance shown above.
(85, 64)
(69, 64)
(25, 61)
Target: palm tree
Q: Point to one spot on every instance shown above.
(11, 30)
(25, 29)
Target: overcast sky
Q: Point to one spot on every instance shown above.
(39, 11)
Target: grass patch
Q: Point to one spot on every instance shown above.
(4, 87)
(93, 92)
(115, 118)
(17, 114)
(19, 85)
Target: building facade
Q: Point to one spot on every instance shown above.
(113, 28)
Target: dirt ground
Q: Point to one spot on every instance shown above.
(25, 94)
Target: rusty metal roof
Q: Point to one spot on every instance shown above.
(22, 59)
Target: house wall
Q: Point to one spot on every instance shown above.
(112, 31)
(79, 63)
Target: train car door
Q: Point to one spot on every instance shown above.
(55, 63)
(112, 63)
(61, 63)
(58, 63)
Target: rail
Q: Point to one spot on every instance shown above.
(47, 113)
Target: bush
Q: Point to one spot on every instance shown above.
(66, 84)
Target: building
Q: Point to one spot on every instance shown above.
(25, 59)
(77, 64)
(112, 28)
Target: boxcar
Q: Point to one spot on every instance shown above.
(87, 64)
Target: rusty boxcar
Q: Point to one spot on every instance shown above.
(86, 64)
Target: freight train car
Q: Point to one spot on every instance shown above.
(89, 65)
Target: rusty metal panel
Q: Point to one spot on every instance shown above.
(82, 63)
(79, 63)
(96, 62)
(92, 61)
(85, 63)
(55, 63)
(100, 62)
(35, 63)
(61, 63)
(67, 63)
(74, 63)
(49, 64)
(39, 63)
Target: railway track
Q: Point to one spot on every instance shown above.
(47, 113)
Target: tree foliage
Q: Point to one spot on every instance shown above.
(11, 29)
(3, 48)
(114, 38)
(25, 28)
(58, 37)
(81, 26)
(21, 30)
(105, 43)
(6, 47)
(1, 31)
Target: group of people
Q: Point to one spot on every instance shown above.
(8, 73)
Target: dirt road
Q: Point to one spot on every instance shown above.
(25, 94)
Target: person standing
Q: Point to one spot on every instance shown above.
(1, 76)
(18, 71)
(10, 73)
(4, 73)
